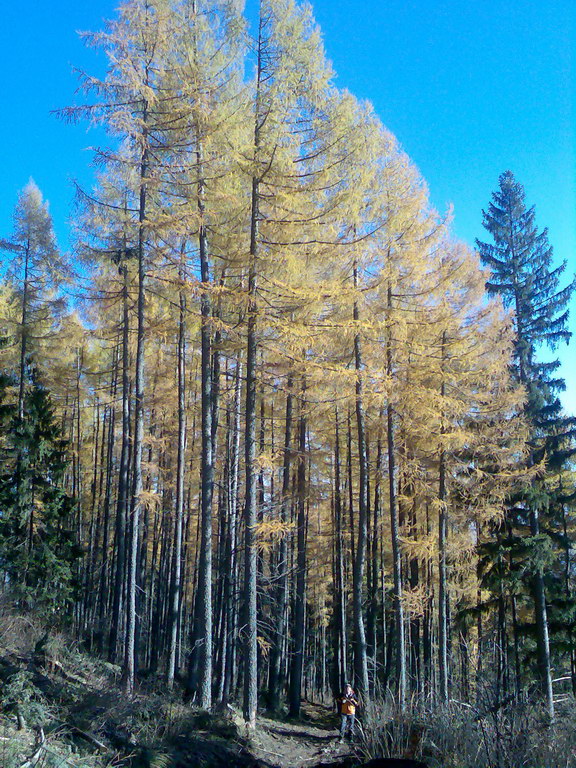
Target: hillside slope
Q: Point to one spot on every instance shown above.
(64, 708)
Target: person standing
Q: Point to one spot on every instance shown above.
(348, 703)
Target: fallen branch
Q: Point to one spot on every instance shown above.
(261, 749)
(90, 738)
(33, 759)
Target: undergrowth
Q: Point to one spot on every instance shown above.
(460, 736)
(61, 707)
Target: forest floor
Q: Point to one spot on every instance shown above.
(311, 742)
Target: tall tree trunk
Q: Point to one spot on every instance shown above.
(231, 581)
(131, 650)
(250, 658)
(360, 655)
(250, 511)
(204, 602)
(479, 625)
(427, 620)
(340, 598)
(123, 474)
(395, 528)
(104, 582)
(374, 590)
(416, 673)
(542, 638)
(282, 590)
(297, 662)
(90, 564)
(176, 590)
(442, 575)
(350, 481)
(442, 587)
(515, 631)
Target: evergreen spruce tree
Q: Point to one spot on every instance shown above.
(37, 550)
(523, 274)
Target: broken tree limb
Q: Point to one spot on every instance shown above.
(33, 759)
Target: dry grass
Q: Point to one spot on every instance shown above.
(457, 736)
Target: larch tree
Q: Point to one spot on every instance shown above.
(36, 269)
(130, 106)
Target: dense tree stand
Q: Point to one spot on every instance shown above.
(271, 429)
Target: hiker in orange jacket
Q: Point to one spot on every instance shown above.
(348, 703)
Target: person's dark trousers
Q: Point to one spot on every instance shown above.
(347, 724)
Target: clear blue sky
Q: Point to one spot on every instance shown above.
(470, 87)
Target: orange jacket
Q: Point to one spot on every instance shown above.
(348, 705)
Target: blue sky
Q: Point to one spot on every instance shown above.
(470, 88)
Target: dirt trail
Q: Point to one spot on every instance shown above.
(300, 745)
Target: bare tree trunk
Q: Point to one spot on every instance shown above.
(340, 579)
(204, 603)
(360, 655)
(131, 650)
(123, 472)
(416, 671)
(395, 530)
(479, 626)
(104, 584)
(372, 635)
(442, 590)
(442, 576)
(542, 638)
(297, 662)
(427, 620)
(350, 480)
(250, 659)
(250, 511)
(282, 590)
(231, 581)
(176, 590)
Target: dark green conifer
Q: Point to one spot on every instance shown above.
(523, 274)
(37, 547)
